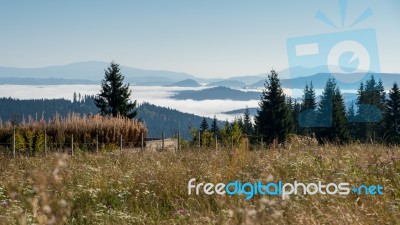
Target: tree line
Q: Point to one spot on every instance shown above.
(371, 118)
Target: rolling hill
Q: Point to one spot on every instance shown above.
(217, 93)
(227, 83)
(185, 83)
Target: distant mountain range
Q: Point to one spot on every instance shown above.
(217, 93)
(43, 81)
(319, 80)
(92, 72)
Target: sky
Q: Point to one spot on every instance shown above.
(206, 38)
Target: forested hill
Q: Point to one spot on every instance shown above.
(157, 119)
(17, 109)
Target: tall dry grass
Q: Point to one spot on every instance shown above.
(86, 132)
(151, 188)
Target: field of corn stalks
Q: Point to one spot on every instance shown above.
(87, 131)
(152, 187)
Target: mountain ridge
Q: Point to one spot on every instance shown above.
(93, 72)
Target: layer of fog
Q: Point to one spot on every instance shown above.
(156, 95)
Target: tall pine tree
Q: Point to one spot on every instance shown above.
(351, 117)
(371, 105)
(203, 125)
(296, 108)
(392, 117)
(114, 97)
(332, 115)
(273, 120)
(307, 115)
(309, 100)
(247, 124)
(214, 128)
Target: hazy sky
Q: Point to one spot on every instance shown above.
(208, 38)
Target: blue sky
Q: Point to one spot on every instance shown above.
(206, 38)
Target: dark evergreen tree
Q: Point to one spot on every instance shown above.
(247, 124)
(214, 127)
(290, 107)
(371, 105)
(203, 125)
(341, 132)
(273, 120)
(239, 121)
(295, 115)
(392, 117)
(351, 113)
(309, 100)
(351, 117)
(332, 116)
(307, 116)
(74, 98)
(114, 97)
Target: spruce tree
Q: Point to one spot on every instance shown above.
(114, 97)
(290, 107)
(341, 132)
(203, 125)
(214, 127)
(247, 124)
(307, 116)
(351, 117)
(371, 105)
(295, 115)
(309, 100)
(392, 116)
(351, 113)
(332, 116)
(273, 118)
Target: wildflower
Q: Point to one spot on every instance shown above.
(62, 203)
(270, 178)
(4, 203)
(264, 200)
(271, 203)
(277, 214)
(47, 209)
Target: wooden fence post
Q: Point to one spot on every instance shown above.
(179, 140)
(45, 143)
(14, 141)
(97, 142)
(162, 141)
(121, 144)
(72, 145)
(142, 145)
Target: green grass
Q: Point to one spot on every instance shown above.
(151, 188)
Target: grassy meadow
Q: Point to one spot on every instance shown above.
(151, 187)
